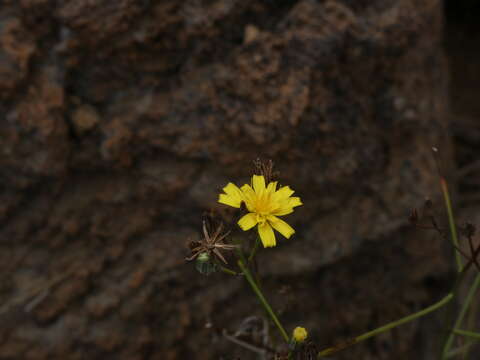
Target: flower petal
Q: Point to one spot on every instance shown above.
(295, 201)
(271, 188)
(249, 196)
(258, 182)
(233, 196)
(247, 191)
(285, 210)
(266, 234)
(283, 193)
(248, 221)
(228, 200)
(286, 206)
(233, 190)
(281, 226)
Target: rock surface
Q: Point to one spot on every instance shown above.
(122, 120)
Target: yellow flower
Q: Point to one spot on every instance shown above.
(300, 334)
(264, 204)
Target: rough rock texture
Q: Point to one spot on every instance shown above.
(121, 121)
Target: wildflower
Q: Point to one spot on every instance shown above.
(264, 205)
(299, 334)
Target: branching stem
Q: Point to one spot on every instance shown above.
(385, 328)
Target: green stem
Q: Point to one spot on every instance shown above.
(472, 316)
(470, 334)
(225, 269)
(458, 322)
(262, 299)
(254, 250)
(386, 327)
(451, 221)
(461, 349)
(228, 271)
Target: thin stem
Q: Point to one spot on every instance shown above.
(386, 327)
(262, 299)
(244, 344)
(451, 221)
(225, 269)
(228, 271)
(458, 322)
(254, 250)
(450, 317)
(461, 349)
(472, 316)
(470, 334)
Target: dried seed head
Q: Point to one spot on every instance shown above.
(265, 168)
(211, 244)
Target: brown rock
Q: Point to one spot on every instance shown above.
(17, 45)
(85, 118)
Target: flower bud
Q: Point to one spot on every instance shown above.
(299, 334)
(204, 265)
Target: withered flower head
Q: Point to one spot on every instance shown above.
(306, 350)
(210, 244)
(265, 168)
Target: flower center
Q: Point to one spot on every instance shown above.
(262, 206)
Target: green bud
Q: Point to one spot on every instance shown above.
(203, 257)
(204, 265)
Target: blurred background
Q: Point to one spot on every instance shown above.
(122, 120)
